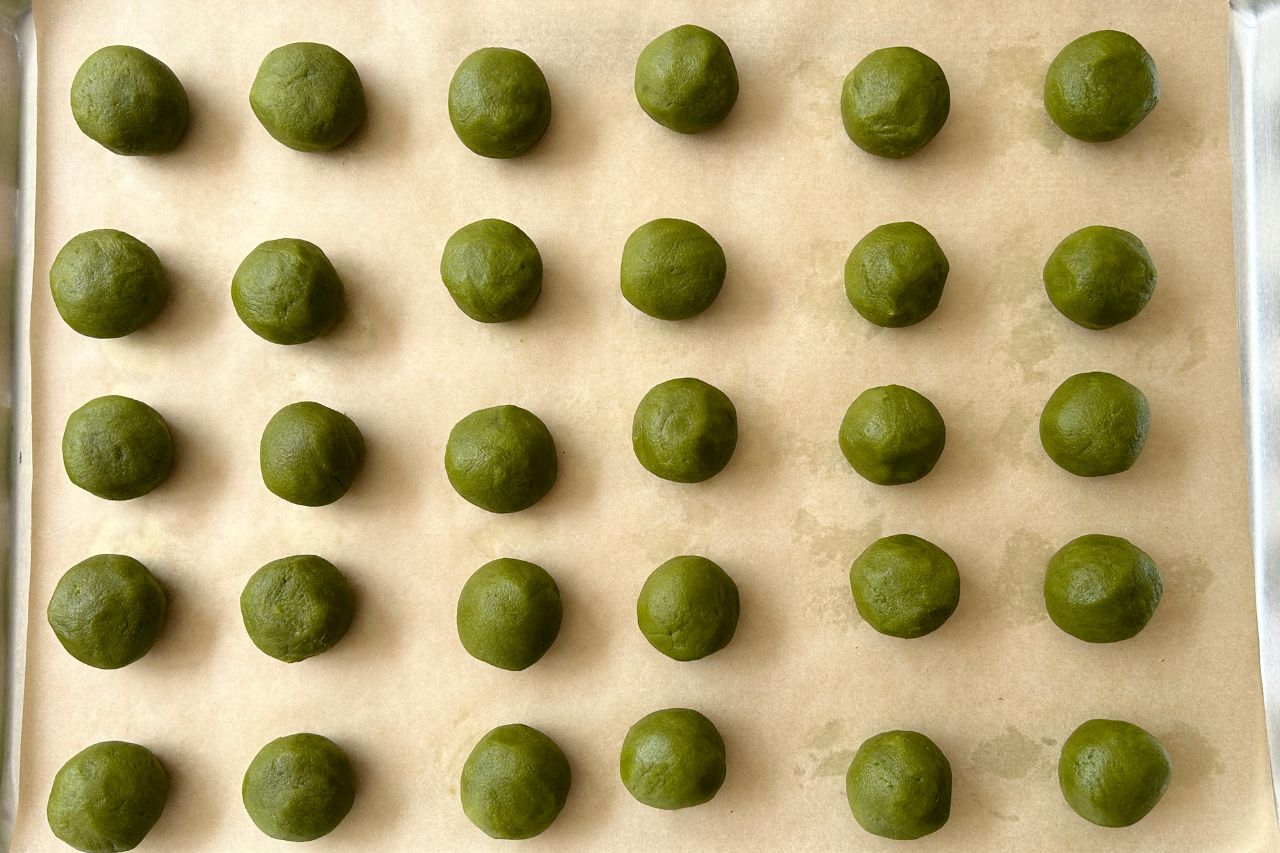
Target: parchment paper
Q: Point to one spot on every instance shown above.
(787, 194)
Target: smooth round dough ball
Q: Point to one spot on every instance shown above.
(1099, 277)
(899, 786)
(892, 435)
(499, 103)
(308, 96)
(107, 797)
(117, 448)
(297, 607)
(688, 608)
(672, 269)
(894, 102)
(287, 292)
(107, 611)
(515, 782)
(905, 586)
(129, 102)
(1112, 773)
(673, 759)
(686, 80)
(492, 270)
(502, 459)
(1101, 86)
(509, 613)
(895, 274)
(1101, 589)
(107, 283)
(684, 430)
(1095, 424)
(310, 454)
(299, 787)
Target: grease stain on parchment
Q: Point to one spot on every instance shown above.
(1011, 755)
(1193, 756)
(1020, 581)
(823, 756)
(834, 541)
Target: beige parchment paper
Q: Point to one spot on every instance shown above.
(786, 193)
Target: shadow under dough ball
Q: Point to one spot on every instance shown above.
(1101, 86)
(299, 787)
(287, 292)
(117, 448)
(1099, 277)
(905, 586)
(310, 454)
(686, 79)
(688, 608)
(297, 607)
(1101, 589)
(899, 786)
(129, 102)
(515, 782)
(106, 283)
(672, 269)
(895, 274)
(673, 759)
(107, 797)
(308, 96)
(892, 435)
(1112, 773)
(107, 611)
(499, 103)
(492, 270)
(502, 459)
(509, 613)
(1095, 424)
(894, 102)
(684, 430)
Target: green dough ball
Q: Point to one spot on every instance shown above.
(1101, 589)
(894, 102)
(1101, 86)
(107, 284)
(310, 454)
(117, 448)
(894, 275)
(299, 787)
(1100, 277)
(1113, 773)
(515, 782)
(899, 786)
(1095, 424)
(499, 103)
(684, 430)
(107, 797)
(107, 611)
(493, 271)
(673, 759)
(308, 96)
(686, 79)
(688, 608)
(502, 459)
(296, 607)
(892, 435)
(905, 586)
(129, 102)
(672, 269)
(509, 613)
(287, 292)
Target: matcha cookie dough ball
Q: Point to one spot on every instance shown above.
(515, 782)
(673, 759)
(1113, 773)
(894, 102)
(894, 275)
(686, 79)
(308, 96)
(107, 797)
(499, 103)
(688, 608)
(1101, 589)
(1095, 424)
(107, 611)
(299, 787)
(672, 269)
(501, 459)
(892, 435)
(129, 102)
(509, 613)
(1099, 277)
(899, 786)
(492, 270)
(117, 448)
(1101, 86)
(684, 430)
(287, 292)
(310, 454)
(107, 283)
(297, 607)
(905, 586)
